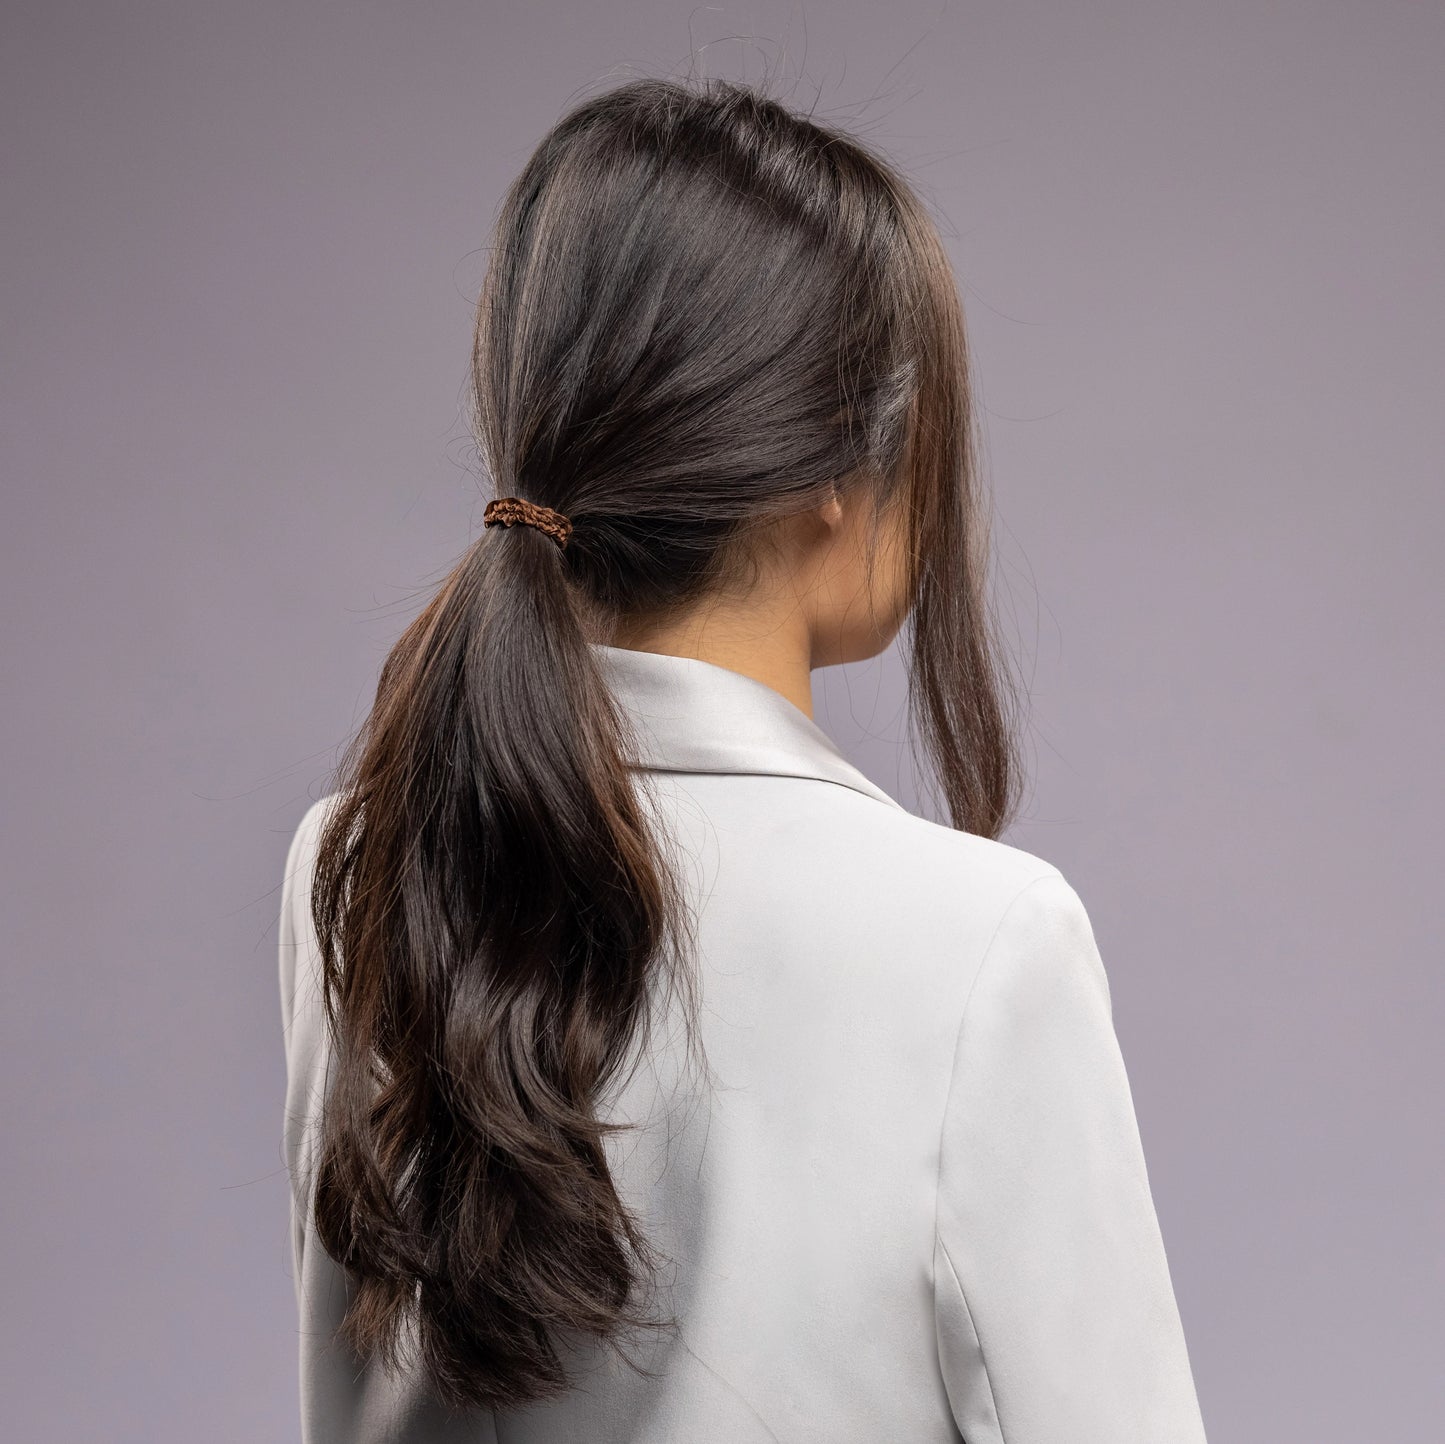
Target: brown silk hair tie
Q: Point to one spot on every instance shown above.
(509, 510)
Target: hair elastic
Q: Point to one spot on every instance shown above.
(508, 510)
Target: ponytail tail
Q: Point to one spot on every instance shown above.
(492, 910)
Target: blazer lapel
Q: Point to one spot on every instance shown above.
(688, 715)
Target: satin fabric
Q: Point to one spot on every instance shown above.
(904, 1199)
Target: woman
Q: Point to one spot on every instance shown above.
(653, 1075)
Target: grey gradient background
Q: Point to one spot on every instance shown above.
(1201, 247)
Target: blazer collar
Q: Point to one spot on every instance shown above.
(693, 716)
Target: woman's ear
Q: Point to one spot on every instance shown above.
(832, 510)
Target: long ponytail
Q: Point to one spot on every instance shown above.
(702, 312)
(501, 909)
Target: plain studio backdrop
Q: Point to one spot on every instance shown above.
(1200, 246)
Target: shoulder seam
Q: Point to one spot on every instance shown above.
(1052, 872)
(1004, 916)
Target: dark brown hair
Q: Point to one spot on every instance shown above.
(702, 311)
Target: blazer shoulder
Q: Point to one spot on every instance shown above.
(307, 832)
(949, 861)
(296, 938)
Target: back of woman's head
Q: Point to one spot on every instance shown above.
(703, 313)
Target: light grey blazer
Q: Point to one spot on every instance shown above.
(911, 1206)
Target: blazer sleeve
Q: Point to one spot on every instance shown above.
(1055, 1312)
(343, 1399)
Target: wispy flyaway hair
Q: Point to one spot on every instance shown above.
(703, 312)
